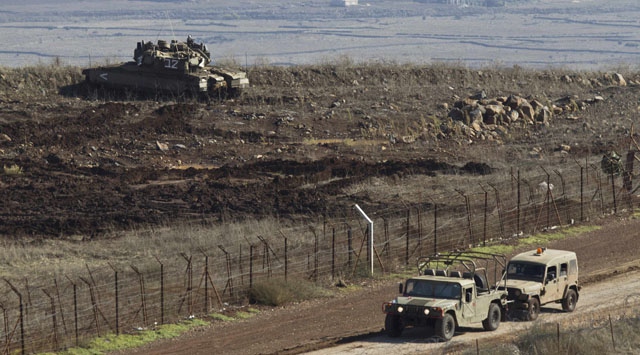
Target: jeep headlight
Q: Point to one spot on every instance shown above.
(400, 309)
(517, 293)
(426, 311)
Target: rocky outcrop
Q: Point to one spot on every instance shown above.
(480, 117)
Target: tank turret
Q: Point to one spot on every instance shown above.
(174, 67)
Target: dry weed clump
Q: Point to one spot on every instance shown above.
(39, 81)
(616, 335)
(12, 169)
(277, 292)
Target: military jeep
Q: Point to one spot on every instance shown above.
(451, 290)
(539, 277)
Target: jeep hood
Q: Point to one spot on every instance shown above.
(426, 302)
(525, 286)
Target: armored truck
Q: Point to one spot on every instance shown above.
(541, 276)
(451, 290)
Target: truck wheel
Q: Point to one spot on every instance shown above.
(446, 327)
(569, 301)
(493, 318)
(393, 326)
(533, 310)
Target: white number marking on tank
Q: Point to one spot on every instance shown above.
(170, 63)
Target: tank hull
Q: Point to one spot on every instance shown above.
(130, 75)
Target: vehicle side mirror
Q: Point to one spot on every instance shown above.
(468, 296)
(400, 288)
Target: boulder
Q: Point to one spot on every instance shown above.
(477, 126)
(481, 95)
(457, 114)
(494, 114)
(618, 79)
(495, 110)
(526, 111)
(513, 116)
(515, 101)
(469, 102)
(537, 105)
(476, 115)
(544, 115)
(557, 110)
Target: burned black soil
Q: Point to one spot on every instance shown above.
(80, 163)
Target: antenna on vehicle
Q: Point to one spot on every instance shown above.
(159, 31)
(173, 35)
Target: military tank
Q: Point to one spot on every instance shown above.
(174, 68)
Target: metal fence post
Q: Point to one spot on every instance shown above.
(333, 254)
(53, 318)
(435, 228)
(161, 290)
(406, 245)
(22, 344)
(250, 266)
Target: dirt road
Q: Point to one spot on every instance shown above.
(595, 301)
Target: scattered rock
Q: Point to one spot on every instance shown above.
(544, 115)
(337, 103)
(456, 114)
(162, 146)
(618, 79)
(481, 95)
(408, 139)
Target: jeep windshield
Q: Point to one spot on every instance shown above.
(432, 289)
(525, 271)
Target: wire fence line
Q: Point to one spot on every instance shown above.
(56, 314)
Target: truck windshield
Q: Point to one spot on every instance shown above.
(432, 289)
(525, 271)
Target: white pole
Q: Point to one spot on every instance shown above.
(370, 223)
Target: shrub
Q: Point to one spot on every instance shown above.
(12, 170)
(277, 292)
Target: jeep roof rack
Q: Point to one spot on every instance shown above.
(472, 262)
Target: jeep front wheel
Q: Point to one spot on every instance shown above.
(446, 327)
(493, 318)
(569, 301)
(533, 309)
(393, 325)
